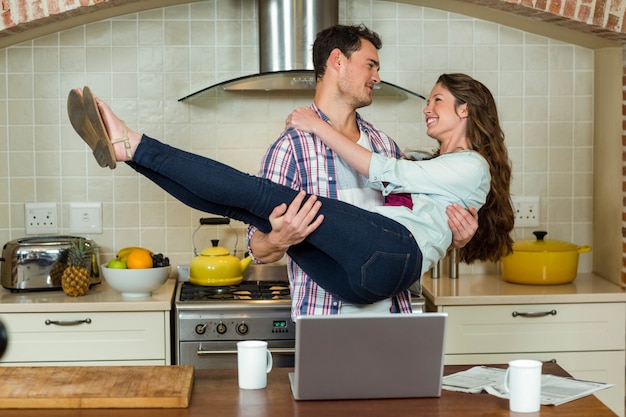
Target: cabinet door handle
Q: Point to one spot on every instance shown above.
(68, 322)
(535, 313)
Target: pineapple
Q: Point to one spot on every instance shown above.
(76, 276)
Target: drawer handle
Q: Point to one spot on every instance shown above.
(282, 351)
(67, 323)
(274, 351)
(535, 314)
(202, 352)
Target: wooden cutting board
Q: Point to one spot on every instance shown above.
(96, 387)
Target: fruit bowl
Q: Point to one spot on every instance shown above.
(136, 283)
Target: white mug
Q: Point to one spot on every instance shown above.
(522, 381)
(254, 362)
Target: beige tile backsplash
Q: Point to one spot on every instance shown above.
(143, 63)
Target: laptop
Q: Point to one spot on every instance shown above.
(368, 356)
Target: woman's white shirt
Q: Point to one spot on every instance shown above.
(459, 177)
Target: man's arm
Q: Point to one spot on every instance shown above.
(463, 224)
(262, 248)
(290, 225)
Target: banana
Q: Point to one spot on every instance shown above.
(123, 253)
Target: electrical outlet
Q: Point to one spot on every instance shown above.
(40, 218)
(526, 210)
(85, 218)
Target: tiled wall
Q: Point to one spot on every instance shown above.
(143, 63)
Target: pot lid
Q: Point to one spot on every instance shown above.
(215, 251)
(541, 245)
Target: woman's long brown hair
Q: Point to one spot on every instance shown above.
(496, 218)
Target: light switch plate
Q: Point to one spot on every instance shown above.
(85, 218)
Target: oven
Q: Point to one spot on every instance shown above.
(209, 321)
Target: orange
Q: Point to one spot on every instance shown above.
(139, 259)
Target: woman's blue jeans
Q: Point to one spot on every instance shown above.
(359, 256)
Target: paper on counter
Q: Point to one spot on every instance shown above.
(555, 390)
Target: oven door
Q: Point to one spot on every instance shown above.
(223, 354)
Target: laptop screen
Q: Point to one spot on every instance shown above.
(369, 356)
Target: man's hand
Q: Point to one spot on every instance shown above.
(463, 224)
(290, 225)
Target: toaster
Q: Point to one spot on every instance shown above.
(37, 263)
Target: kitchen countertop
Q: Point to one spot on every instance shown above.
(492, 289)
(100, 298)
(465, 290)
(215, 392)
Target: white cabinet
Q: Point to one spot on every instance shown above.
(581, 326)
(99, 328)
(587, 340)
(111, 338)
(535, 328)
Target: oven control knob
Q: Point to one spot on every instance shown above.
(242, 328)
(200, 328)
(221, 328)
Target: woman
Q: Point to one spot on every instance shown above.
(360, 256)
(461, 115)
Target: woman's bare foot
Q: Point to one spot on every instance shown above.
(124, 140)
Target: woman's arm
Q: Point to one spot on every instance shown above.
(303, 118)
(462, 222)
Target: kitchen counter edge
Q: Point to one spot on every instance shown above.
(100, 297)
(492, 290)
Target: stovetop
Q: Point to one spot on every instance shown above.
(246, 290)
(264, 287)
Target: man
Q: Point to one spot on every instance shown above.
(346, 65)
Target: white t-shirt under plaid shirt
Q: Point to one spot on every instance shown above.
(301, 161)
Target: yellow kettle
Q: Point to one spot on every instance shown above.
(215, 266)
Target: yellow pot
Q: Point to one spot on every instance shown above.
(542, 262)
(215, 266)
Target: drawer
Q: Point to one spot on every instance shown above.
(535, 328)
(80, 337)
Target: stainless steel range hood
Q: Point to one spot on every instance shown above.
(287, 30)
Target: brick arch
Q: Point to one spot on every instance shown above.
(601, 18)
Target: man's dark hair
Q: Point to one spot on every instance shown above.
(346, 38)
